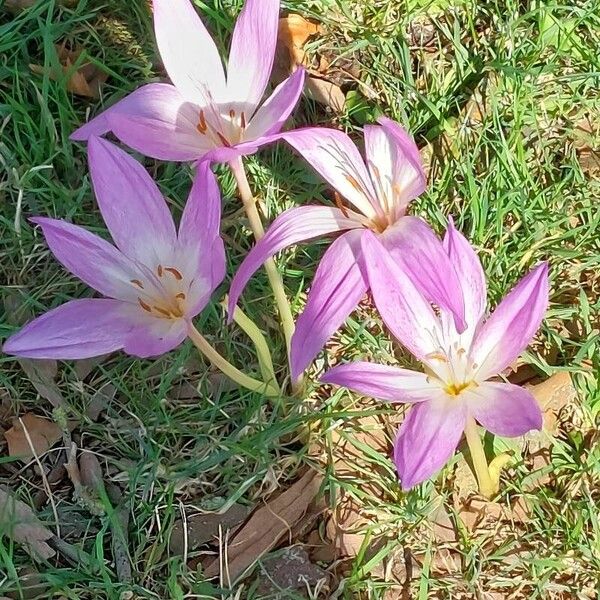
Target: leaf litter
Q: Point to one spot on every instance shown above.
(31, 434)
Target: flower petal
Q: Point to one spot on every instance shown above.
(131, 204)
(503, 408)
(153, 337)
(337, 288)
(395, 166)
(154, 120)
(252, 51)
(335, 157)
(92, 259)
(78, 329)
(291, 227)
(428, 438)
(470, 275)
(382, 382)
(511, 327)
(403, 308)
(188, 51)
(201, 250)
(420, 253)
(271, 116)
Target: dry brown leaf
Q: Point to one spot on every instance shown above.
(326, 93)
(19, 522)
(478, 513)
(85, 80)
(41, 373)
(291, 570)
(42, 433)
(205, 527)
(100, 400)
(553, 395)
(294, 32)
(520, 510)
(265, 528)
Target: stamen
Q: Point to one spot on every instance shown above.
(162, 311)
(354, 183)
(437, 356)
(159, 270)
(145, 306)
(224, 140)
(174, 272)
(243, 120)
(180, 296)
(454, 389)
(232, 114)
(461, 351)
(138, 283)
(338, 203)
(201, 127)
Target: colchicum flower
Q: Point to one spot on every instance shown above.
(154, 281)
(205, 115)
(380, 192)
(454, 391)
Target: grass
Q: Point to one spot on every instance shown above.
(496, 93)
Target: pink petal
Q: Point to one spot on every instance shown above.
(428, 438)
(335, 157)
(395, 166)
(419, 252)
(201, 248)
(188, 52)
(470, 275)
(131, 204)
(77, 329)
(272, 115)
(404, 310)
(154, 120)
(508, 331)
(382, 382)
(92, 259)
(336, 290)
(252, 52)
(153, 337)
(291, 227)
(504, 409)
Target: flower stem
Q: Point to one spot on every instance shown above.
(484, 480)
(283, 306)
(227, 368)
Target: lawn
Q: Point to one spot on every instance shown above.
(502, 98)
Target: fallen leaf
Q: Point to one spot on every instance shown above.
(42, 433)
(520, 510)
(85, 80)
(205, 527)
(41, 373)
(326, 93)
(294, 32)
(19, 522)
(478, 513)
(85, 366)
(265, 528)
(100, 400)
(290, 570)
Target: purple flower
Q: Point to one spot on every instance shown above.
(205, 114)
(380, 192)
(455, 384)
(155, 280)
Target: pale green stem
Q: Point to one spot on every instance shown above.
(484, 480)
(227, 368)
(260, 343)
(283, 306)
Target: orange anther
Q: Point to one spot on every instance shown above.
(338, 203)
(224, 140)
(159, 270)
(180, 296)
(162, 311)
(243, 120)
(177, 274)
(201, 127)
(138, 283)
(145, 306)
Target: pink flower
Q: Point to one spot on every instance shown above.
(205, 115)
(455, 384)
(155, 279)
(379, 192)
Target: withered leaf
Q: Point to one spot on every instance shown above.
(267, 525)
(326, 93)
(42, 433)
(294, 31)
(205, 527)
(19, 522)
(84, 80)
(41, 373)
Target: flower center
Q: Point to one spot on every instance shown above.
(454, 389)
(218, 138)
(165, 300)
